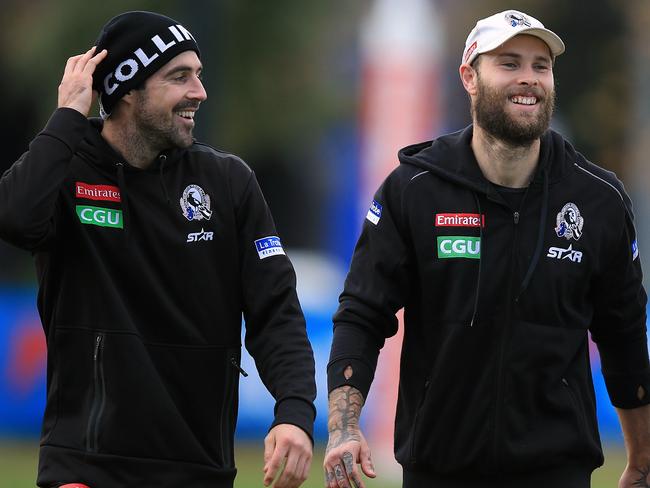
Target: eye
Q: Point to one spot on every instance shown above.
(509, 65)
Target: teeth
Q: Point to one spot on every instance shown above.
(524, 100)
(187, 114)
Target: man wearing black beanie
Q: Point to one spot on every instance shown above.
(149, 248)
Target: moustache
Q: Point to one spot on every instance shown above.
(186, 106)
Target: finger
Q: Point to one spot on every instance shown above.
(341, 478)
(330, 480)
(269, 445)
(95, 60)
(81, 64)
(351, 470)
(274, 464)
(289, 474)
(306, 467)
(71, 63)
(365, 458)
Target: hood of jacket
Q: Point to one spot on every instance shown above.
(96, 150)
(451, 157)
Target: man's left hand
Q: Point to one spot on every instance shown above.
(286, 442)
(635, 477)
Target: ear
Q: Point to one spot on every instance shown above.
(469, 77)
(128, 98)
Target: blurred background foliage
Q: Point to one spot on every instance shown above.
(282, 77)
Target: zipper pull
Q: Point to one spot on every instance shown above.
(516, 217)
(98, 343)
(238, 367)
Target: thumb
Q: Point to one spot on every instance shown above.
(269, 446)
(365, 458)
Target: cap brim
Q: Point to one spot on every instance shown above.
(553, 41)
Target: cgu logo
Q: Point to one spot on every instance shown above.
(568, 253)
(102, 217)
(459, 247)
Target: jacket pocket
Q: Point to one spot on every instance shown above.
(548, 403)
(446, 413)
(98, 401)
(114, 394)
(229, 406)
(581, 418)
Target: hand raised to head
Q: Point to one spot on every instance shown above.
(76, 88)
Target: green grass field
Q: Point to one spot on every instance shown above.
(18, 467)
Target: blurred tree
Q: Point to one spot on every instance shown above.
(286, 77)
(283, 76)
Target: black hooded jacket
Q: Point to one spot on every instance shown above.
(495, 376)
(144, 276)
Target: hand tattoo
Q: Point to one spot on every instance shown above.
(338, 471)
(348, 461)
(329, 477)
(345, 405)
(642, 482)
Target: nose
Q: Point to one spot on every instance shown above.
(529, 77)
(197, 92)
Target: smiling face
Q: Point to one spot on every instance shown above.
(512, 90)
(163, 112)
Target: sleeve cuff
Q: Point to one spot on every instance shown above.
(296, 412)
(360, 375)
(629, 390)
(68, 126)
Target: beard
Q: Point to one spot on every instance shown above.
(490, 114)
(159, 127)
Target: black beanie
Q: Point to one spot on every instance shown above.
(138, 45)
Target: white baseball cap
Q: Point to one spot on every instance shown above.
(493, 31)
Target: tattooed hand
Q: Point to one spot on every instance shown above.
(635, 477)
(346, 446)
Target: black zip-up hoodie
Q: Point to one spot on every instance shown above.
(142, 307)
(495, 379)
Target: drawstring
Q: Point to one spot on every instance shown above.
(540, 238)
(480, 260)
(125, 200)
(163, 159)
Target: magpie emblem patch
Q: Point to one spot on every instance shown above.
(569, 222)
(195, 203)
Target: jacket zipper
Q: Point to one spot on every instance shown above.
(226, 408)
(99, 395)
(582, 420)
(502, 345)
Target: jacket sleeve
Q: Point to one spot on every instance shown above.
(619, 323)
(276, 335)
(29, 189)
(375, 289)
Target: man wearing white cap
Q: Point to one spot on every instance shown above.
(505, 247)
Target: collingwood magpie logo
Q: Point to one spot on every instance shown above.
(195, 203)
(569, 222)
(515, 19)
